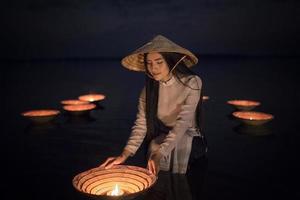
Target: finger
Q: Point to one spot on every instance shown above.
(154, 168)
(148, 166)
(108, 166)
(112, 163)
(151, 169)
(106, 162)
(118, 161)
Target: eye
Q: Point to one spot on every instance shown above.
(160, 62)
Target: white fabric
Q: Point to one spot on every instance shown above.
(176, 108)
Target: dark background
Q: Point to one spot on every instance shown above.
(96, 29)
(56, 50)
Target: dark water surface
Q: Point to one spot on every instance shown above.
(242, 163)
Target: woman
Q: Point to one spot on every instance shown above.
(169, 107)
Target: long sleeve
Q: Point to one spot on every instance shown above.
(184, 119)
(139, 129)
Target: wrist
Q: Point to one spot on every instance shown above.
(125, 154)
(156, 156)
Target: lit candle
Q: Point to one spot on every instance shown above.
(116, 191)
(92, 97)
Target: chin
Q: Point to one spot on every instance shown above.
(157, 78)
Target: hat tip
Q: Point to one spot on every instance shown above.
(159, 36)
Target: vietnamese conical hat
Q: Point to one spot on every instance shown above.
(135, 60)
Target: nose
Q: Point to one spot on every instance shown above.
(155, 67)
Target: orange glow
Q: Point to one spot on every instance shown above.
(116, 191)
(243, 104)
(83, 107)
(40, 113)
(73, 102)
(125, 180)
(41, 116)
(92, 97)
(253, 118)
(205, 98)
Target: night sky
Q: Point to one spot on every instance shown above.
(38, 29)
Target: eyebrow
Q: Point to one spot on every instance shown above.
(157, 59)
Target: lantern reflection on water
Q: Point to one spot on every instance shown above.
(250, 130)
(91, 97)
(130, 180)
(243, 104)
(253, 118)
(41, 116)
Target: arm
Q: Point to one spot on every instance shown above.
(136, 138)
(139, 129)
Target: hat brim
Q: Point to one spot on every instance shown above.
(135, 61)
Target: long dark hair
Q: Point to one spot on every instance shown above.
(154, 125)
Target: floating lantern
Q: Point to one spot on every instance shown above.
(243, 104)
(120, 181)
(253, 118)
(73, 102)
(79, 109)
(205, 98)
(92, 97)
(41, 116)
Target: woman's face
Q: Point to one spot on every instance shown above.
(158, 67)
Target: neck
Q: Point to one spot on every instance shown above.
(167, 78)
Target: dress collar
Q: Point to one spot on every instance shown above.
(168, 82)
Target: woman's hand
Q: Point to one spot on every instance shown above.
(153, 163)
(111, 161)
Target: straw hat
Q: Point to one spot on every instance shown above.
(135, 61)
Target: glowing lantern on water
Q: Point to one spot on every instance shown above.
(79, 109)
(253, 118)
(92, 97)
(243, 104)
(41, 116)
(119, 181)
(205, 98)
(74, 102)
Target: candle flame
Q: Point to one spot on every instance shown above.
(115, 191)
